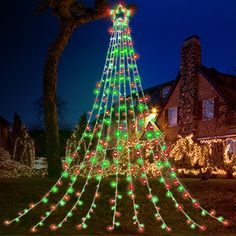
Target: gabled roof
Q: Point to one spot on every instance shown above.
(155, 93)
(173, 84)
(3, 122)
(224, 84)
(155, 128)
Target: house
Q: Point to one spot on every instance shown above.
(4, 133)
(201, 101)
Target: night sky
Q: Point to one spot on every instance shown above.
(159, 28)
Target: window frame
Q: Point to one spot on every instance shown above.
(232, 146)
(164, 94)
(208, 109)
(171, 118)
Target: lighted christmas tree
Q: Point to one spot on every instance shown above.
(120, 140)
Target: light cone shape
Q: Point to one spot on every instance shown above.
(121, 139)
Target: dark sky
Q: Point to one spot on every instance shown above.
(159, 28)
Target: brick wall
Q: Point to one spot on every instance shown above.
(189, 73)
(219, 125)
(188, 95)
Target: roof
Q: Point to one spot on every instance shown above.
(3, 122)
(155, 93)
(224, 84)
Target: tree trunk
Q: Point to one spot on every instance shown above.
(49, 94)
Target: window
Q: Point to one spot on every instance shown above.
(134, 102)
(140, 124)
(208, 109)
(172, 116)
(231, 146)
(124, 124)
(165, 91)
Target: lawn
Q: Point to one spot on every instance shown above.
(219, 194)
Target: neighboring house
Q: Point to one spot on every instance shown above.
(16, 140)
(4, 133)
(201, 101)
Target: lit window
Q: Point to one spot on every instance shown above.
(172, 116)
(165, 91)
(208, 109)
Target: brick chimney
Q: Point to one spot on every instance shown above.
(189, 72)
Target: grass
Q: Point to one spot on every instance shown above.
(219, 194)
